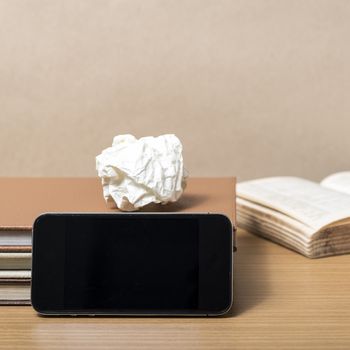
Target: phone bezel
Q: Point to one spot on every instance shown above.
(229, 227)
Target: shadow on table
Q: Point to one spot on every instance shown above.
(187, 201)
(251, 279)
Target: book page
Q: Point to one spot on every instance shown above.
(276, 218)
(303, 200)
(338, 182)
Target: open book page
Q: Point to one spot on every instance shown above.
(263, 215)
(338, 182)
(303, 200)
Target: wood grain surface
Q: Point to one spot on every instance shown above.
(282, 300)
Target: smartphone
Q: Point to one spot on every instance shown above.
(138, 264)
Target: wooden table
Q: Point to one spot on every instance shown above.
(283, 301)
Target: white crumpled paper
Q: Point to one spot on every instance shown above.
(136, 172)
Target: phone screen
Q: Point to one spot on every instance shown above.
(144, 265)
(132, 263)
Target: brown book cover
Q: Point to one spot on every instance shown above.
(23, 199)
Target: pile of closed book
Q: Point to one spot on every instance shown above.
(24, 199)
(15, 266)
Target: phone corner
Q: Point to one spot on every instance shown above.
(35, 306)
(226, 312)
(39, 218)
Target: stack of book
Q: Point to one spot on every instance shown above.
(24, 199)
(15, 266)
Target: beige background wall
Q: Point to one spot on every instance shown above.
(252, 88)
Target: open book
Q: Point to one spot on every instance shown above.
(308, 217)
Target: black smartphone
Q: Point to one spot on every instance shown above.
(132, 264)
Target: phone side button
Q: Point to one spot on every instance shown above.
(91, 315)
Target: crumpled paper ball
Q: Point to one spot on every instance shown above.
(136, 172)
